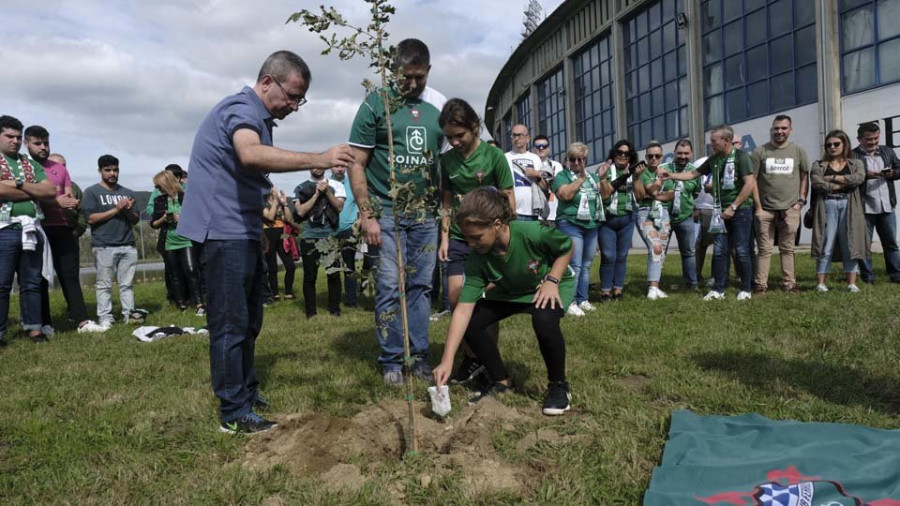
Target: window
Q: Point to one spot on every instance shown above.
(594, 100)
(759, 57)
(551, 102)
(506, 140)
(656, 93)
(870, 44)
(523, 110)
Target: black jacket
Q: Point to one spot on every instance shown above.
(890, 162)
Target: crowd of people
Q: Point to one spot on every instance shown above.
(487, 237)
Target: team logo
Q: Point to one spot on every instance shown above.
(533, 266)
(479, 176)
(416, 139)
(415, 115)
(788, 487)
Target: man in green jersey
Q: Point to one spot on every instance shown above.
(681, 209)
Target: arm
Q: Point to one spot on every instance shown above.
(303, 208)
(336, 202)
(804, 188)
(270, 212)
(254, 155)
(511, 195)
(746, 191)
(459, 322)
(548, 292)
(370, 227)
(30, 191)
(568, 191)
(446, 205)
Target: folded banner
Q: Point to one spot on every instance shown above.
(751, 460)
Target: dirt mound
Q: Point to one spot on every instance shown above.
(327, 447)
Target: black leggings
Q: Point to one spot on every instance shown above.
(185, 276)
(546, 327)
(276, 246)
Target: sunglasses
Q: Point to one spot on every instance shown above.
(833, 144)
(576, 160)
(623, 153)
(541, 146)
(654, 157)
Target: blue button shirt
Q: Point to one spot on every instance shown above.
(223, 200)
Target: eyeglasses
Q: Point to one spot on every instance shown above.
(517, 135)
(294, 99)
(654, 157)
(623, 153)
(541, 146)
(833, 144)
(576, 160)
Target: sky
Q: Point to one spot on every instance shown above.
(135, 78)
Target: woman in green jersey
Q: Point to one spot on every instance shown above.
(653, 217)
(616, 232)
(514, 267)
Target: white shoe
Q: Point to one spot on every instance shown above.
(47, 330)
(586, 306)
(659, 293)
(821, 288)
(93, 327)
(651, 293)
(852, 288)
(744, 296)
(574, 310)
(714, 295)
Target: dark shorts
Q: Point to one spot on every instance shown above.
(458, 252)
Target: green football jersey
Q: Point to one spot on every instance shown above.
(486, 166)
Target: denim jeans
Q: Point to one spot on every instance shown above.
(655, 239)
(348, 243)
(523, 217)
(886, 226)
(615, 241)
(418, 240)
(584, 247)
(121, 260)
(737, 235)
(14, 261)
(686, 232)
(234, 281)
(836, 230)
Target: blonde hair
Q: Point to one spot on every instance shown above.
(167, 182)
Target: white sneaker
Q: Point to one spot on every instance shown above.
(744, 296)
(93, 327)
(651, 293)
(107, 324)
(714, 295)
(574, 310)
(586, 306)
(660, 294)
(852, 288)
(821, 288)
(47, 330)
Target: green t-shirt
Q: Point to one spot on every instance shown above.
(648, 177)
(486, 166)
(682, 207)
(173, 240)
(777, 173)
(517, 274)
(417, 141)
(619, 202)
(728, 176)
(25, 207)
(568, 210)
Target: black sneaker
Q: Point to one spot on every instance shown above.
(492, 390)
(558, 398)
(248, 424)
(261, 403)
(469, 369)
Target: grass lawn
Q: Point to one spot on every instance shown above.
(105, 419)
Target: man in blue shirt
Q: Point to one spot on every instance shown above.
(222, 210)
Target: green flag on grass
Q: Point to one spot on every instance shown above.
(751, 460)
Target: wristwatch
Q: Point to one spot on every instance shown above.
(19, 184)
(802, 201)
(733, 207)
(551, 279)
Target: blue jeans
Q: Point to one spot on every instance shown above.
(235, 276)
(686, 232)
(655, 239)
(418, 241)
(836, 230)
(584, 247)
(121, 260)
(14, 261)
(615, 241)
(886, 226)
(522, 217)
(737, 235)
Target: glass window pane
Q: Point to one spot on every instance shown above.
(758, 98)
(629, 57)
(736, 108)
(641, 25)
(656, 74)
(711, 14)
(757, 63)
(671, 95)
(781, 54)
(732, 9)
(857, 28)
(659, 102)
(750, 5)
(669, 38)
(781, 91)
(888, 18)
(779, 18)
(714, 111)
(859, 70)
(671, 126)
(630, 111)
(644, 78)
(604, 73)
(683, 120)
(683, 89)
(807, 85)
(655, 16)
(805, 45)
(712, 46)
(849, 4)
(734, 37)
(646, 108)
(670, 69)
(604, 48)
(643, 51)
(682, 61)
(734, 71)
(668, 12)
(755, 24)
(712, 80)
(804, 12)
(889, 60)
(646, 133)
(656, 47)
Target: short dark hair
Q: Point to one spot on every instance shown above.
(653, 144)
(458, 112)
(540, 137)
(175, 169)
(8, 122)
(411, 52)
(281, 64)
(867, 128)
(632, 154)
(684, 142)
(783, 117)
(36, 131)
(106, 161)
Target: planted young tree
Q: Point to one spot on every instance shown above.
(370, 42)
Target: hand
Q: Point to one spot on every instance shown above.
(708, 188)
(639, 169)
(122, 204)
(872, 174)
(547, 292)
(798, 206)
(442, 373)
(728, 213)
(176, 217)
(444, 251)
(372, 232)
(67, 201)
(282, 198)
(129, 203)
(663, 174)
(603, 169)
(339, 156)
(322, 186)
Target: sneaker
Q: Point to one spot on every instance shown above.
(423, 372)
(107, 324)
(40, 338)
(492, 390)
(586, 306)
(852, 288)
(437, 316)
(558, 398)
(134, 318)
(393, 378)
(714, 295)
(574, 310)
(618, 296)
(261, 403)
(469, 369)
(47, 330)
(92, 327)
(744, 296)
(655, 293)
(605, 297)
(248, 425)
(821, 288)
(201, 311)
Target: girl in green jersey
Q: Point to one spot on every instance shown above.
(514, 267)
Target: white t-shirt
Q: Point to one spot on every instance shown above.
(704, 200)
(518, 162)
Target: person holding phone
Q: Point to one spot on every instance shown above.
(616, 232)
